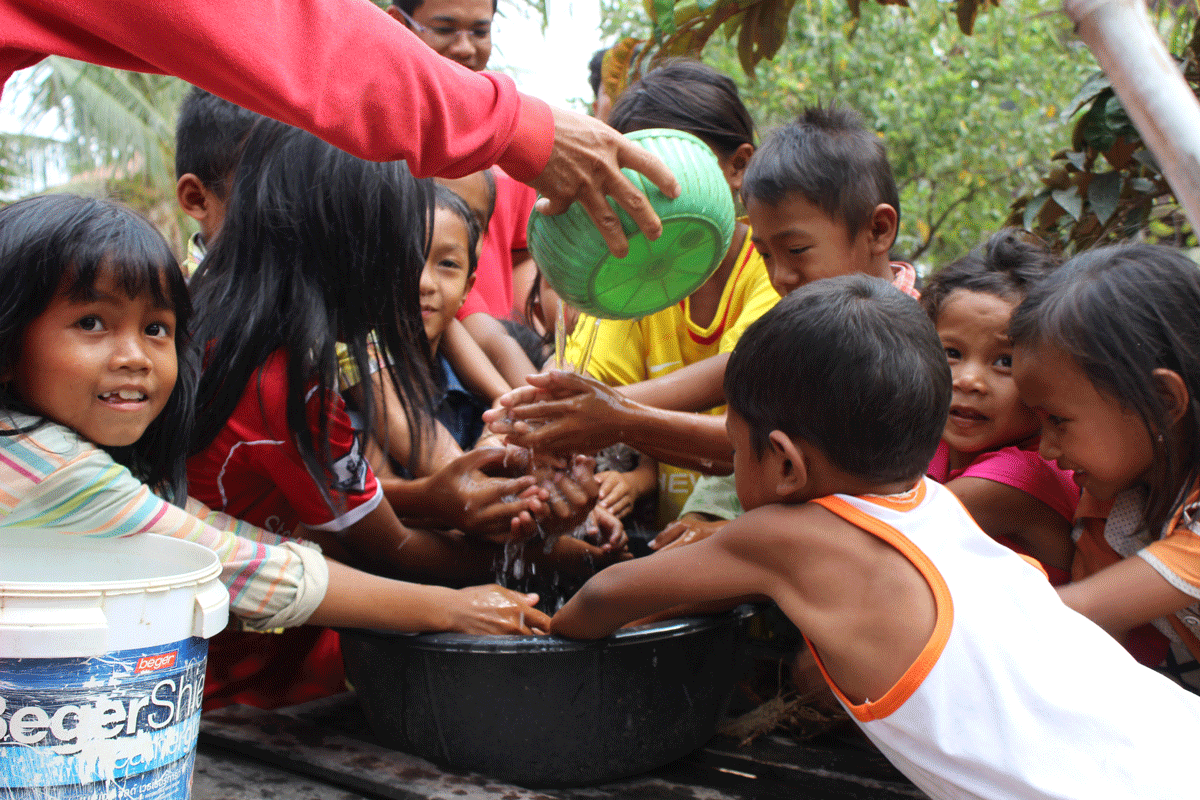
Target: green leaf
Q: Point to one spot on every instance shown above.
(1069, 201)
(1094, 86)
(1141, 185)
(1103, 195)
(1033, 208)
(1146, 159)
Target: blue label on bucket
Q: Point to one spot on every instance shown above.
(122, 724)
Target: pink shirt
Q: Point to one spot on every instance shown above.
(1020, 469)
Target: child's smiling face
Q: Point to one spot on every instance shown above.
(985, 410)
(444, 281)
(104, 366)
(1083, 429)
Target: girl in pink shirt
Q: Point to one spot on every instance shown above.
(988, 455)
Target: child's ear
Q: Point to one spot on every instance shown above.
(793, 469)
(883, 229)
(470, 284)
(734, 166)
(1173, 392)
(192, 196)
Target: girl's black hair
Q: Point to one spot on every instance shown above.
(1005, 266)
(317, 247)
(1121, 312)
(443, 197)
(63, 243)
(686, 95)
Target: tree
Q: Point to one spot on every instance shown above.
(117, 126)
(964, 118)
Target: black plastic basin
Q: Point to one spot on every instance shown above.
(542, 711)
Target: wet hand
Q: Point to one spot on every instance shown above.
(688, 529)
(493, 609)
(562, 412)
(606, 530)
(488, 505)
(585, 165)
(571, 492)
(616, 494)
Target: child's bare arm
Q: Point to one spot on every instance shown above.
(1123, 596)
(471, 363)
(696, 387)
(1007, 511)
(502, 350)
(717, 569)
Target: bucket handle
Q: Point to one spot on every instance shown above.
(211, 610)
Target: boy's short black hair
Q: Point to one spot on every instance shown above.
(854, 367)
(596, 70)
(208, 137)
(830, 158)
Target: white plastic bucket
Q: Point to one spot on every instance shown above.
(102, 655)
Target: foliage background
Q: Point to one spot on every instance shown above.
(969, 121)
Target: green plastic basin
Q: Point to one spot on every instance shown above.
(697, 229)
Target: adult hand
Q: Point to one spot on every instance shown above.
(585, 165)
(493, 609)
(561, 412)
(688, 529)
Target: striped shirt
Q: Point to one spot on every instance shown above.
(53, 479)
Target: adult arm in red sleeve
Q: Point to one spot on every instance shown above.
(345, 71)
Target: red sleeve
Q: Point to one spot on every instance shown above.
(473, 304)
(341, 69)
(1029, 472)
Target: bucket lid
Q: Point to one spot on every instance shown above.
(697, 230)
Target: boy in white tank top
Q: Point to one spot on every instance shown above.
(953, 653)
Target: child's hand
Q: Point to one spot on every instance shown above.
(688, 529)
(616, 493)
(606, 529)
(561, 412)
(493, 609)
(571, 492)
(481, 504)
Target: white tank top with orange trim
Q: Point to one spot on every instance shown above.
(1015, 695)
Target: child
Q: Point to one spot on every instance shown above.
(821, 201)
(208, 134)
(951, 652)
(1107, 355)
(448, 276)
(693, 97)
(988, 454)
(95, 406)
(319, 246)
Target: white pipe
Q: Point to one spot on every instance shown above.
(1150, 87)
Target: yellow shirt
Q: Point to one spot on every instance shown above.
(629, 351)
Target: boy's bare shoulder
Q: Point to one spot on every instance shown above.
(808, 530)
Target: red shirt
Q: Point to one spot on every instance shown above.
(493, 290)
(253, 470)
(341, 69)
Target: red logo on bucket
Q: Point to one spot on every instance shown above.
(152, 663)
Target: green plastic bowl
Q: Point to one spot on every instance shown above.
(697, 229)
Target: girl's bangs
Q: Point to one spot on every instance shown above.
(136, 258)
